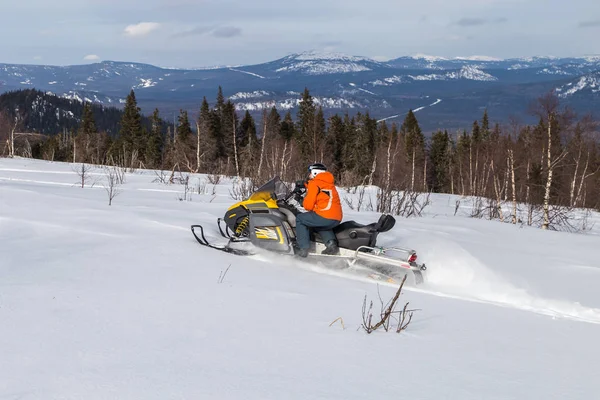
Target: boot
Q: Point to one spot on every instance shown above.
(301, 252)
(331, 248)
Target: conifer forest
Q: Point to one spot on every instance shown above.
(552, 165)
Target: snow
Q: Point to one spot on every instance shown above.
(469, 72)
(472, 73)
(322, 63)
(145, 83)
(290, 103)
(591, 82)
(420, 56)
(553, 70)
(430, 105)
(249, 95)
(312, 55)
(430, 58)
(415, 110)
(479, 58)
(72, 95)
(247, 72)
(319, 67)
(120, 301)
(389, 81)
(367, 91)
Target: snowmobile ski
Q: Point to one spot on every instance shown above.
(202, 240)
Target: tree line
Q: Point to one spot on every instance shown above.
(555, 161)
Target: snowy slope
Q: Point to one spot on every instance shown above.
(102, 302)
(323, 63)
(588, 83)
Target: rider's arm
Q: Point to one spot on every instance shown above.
(311, 196)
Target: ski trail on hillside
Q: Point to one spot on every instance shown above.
(247, 72)
(453, 272)
(415, 110)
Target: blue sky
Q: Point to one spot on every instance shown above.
(197, 33)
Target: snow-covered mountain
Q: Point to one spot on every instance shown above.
(338, 82)
(468, 72)
(589, 83)
(320, 63)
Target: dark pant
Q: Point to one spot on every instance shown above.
(307, 220)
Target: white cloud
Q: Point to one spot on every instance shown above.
(37, 57)
(141, 29)
(91, 57)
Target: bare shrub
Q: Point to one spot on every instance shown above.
(187, 191)
(161, 177)
(405, 203)
(214, 179)
(349, 200)
(201, 187)
(567, 219)
(83, 172)
(242, 189)
(114, 179)
(386, 312)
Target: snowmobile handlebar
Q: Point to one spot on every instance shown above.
(299, 190)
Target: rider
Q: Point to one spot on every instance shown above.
(324, 211)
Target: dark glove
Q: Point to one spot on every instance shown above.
(299, 198)
(300, 186)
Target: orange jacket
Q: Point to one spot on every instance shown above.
(322, 197)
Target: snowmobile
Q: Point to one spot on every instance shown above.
(267, 220)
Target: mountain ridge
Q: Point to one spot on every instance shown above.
(338, 81)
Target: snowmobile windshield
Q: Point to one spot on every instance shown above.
(274, 189)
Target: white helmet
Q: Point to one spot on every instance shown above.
(315, 169)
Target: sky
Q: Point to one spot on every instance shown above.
(201, 33)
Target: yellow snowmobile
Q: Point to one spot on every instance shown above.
(267, 220)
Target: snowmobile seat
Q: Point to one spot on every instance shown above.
(386, 222)
(352, 235)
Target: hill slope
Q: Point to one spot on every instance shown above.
(120, 301)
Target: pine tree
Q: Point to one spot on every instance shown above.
(334, 144)
(366, 143)
(287, 129)
(306, 128)
(439, 161)
(318, 136)
(220, 102)
(415, 144)
(485, 125)
(247, 133)
(88, 123)
(206, 141)
(274, 120)
(351, 157)
(87, 147)
(248, 145)
(229, 131)
(184, 128)
(154, 148)
(131, 143)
